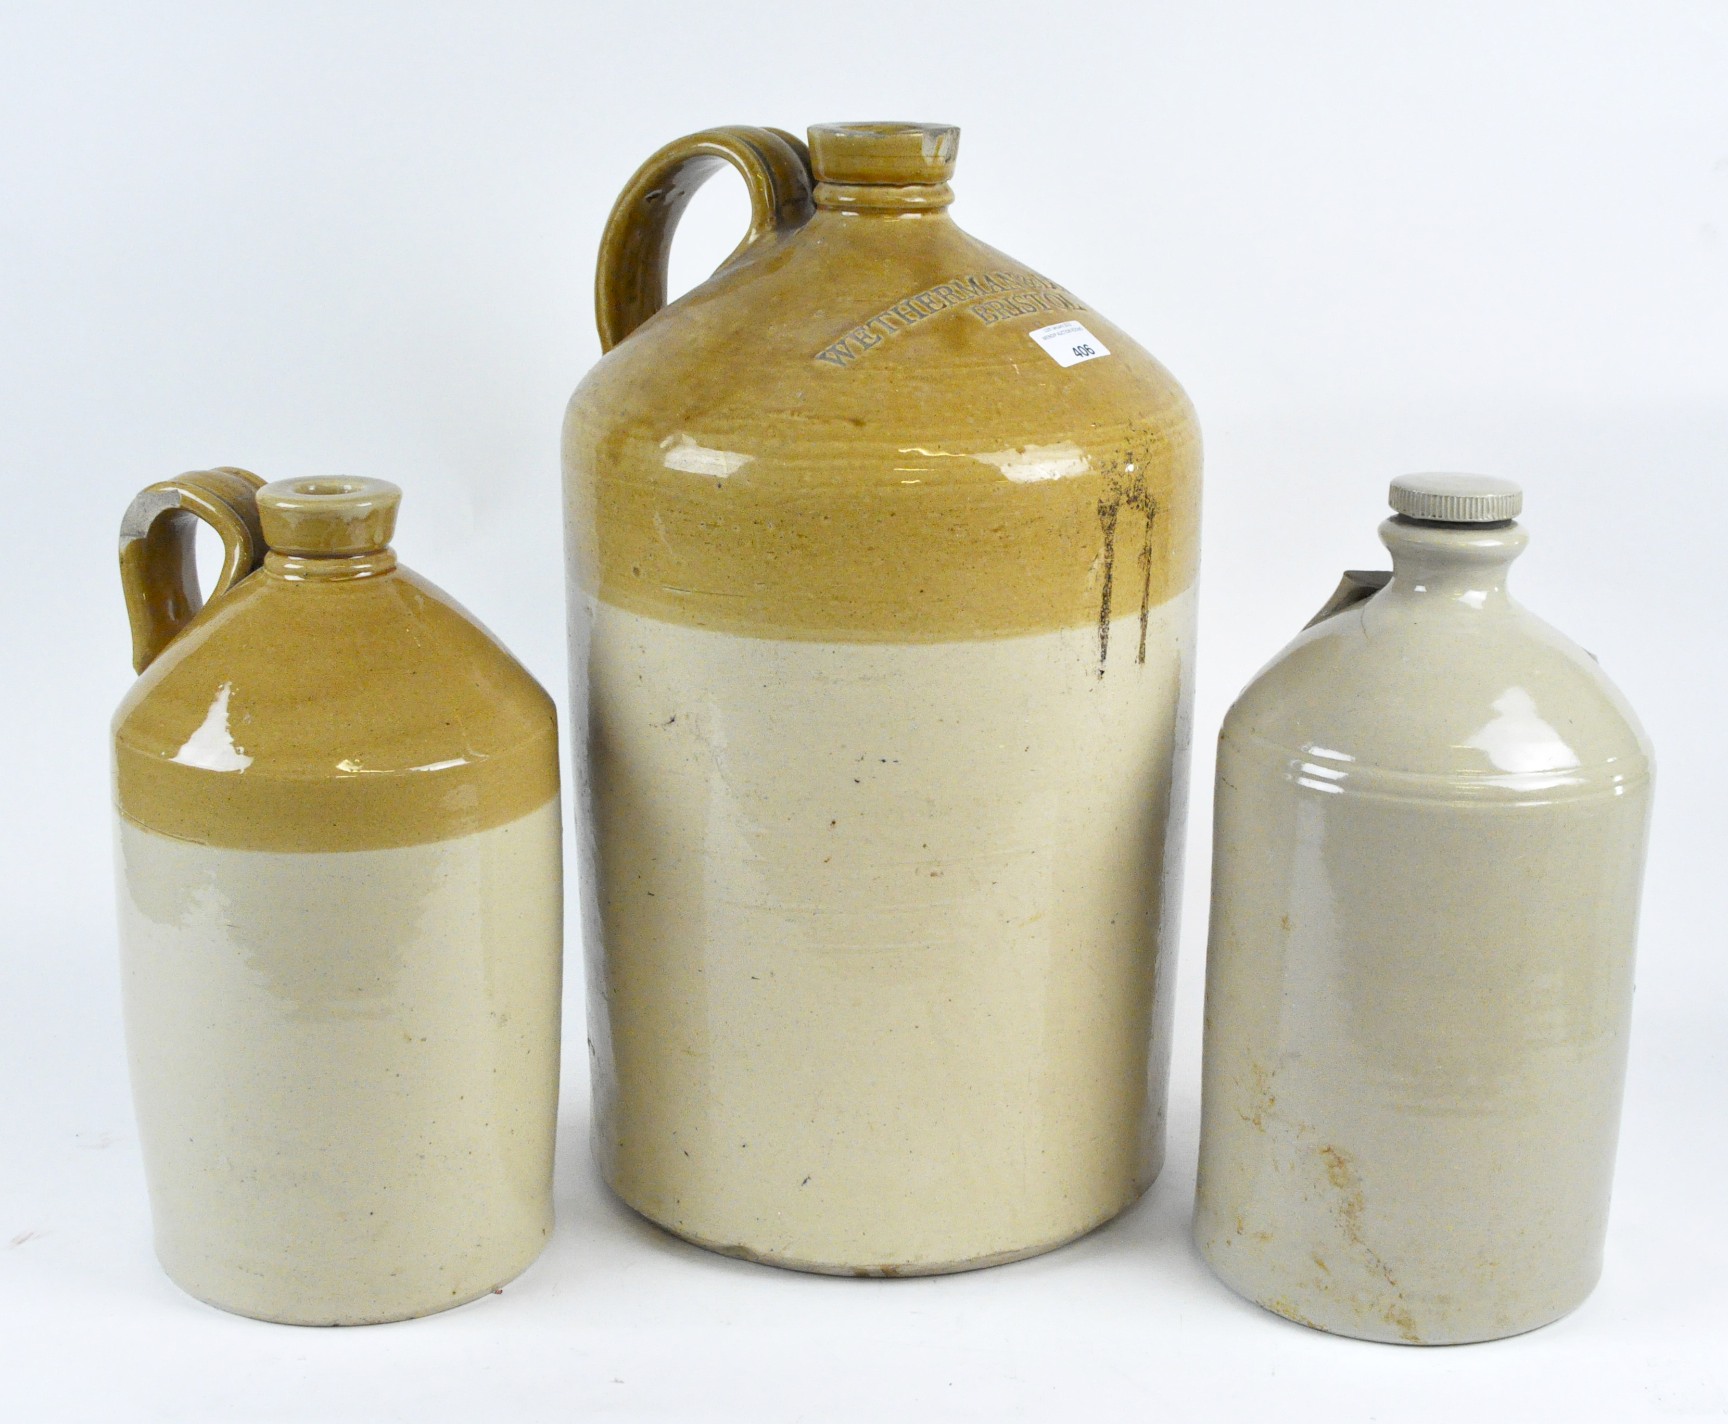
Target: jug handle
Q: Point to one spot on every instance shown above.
(158, 551)
(1357, 586)
(630, 279)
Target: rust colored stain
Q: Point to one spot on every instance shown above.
(1341, 1173)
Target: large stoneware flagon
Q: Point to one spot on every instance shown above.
(882, 551)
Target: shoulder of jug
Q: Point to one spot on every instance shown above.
(374, 684)
(874, 345)
(1506, 698)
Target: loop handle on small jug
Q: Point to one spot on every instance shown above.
(1357, 586)
(630, 281)
(158, 551)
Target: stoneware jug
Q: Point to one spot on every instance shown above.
(881, 552)
(1431, 820)
(340, 894)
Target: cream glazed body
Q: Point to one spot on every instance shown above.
(345, 1066)
(1430, 828)
(915, 1026)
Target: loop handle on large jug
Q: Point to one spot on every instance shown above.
(158, 551)
(630, 281)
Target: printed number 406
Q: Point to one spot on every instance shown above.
(1084, 350)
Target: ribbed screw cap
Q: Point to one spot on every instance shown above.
(1455, 499)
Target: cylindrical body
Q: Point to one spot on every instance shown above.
(1430, 829)
(340, 913)
(882, 623)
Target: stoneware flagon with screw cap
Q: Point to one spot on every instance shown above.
(1430, 834)
(340, 892)
(882, 550)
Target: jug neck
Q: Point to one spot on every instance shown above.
(328, 530)
(888, 169)
(1452, 565)
(297, 568)
(884, 199)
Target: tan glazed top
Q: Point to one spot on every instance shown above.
(329, 700)
(848, 432)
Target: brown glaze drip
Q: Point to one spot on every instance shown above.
(1125, 488)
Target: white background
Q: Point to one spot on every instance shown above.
(358, 238)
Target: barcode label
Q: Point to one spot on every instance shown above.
(1068, 343)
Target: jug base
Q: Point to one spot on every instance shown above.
(887, 1270)
(1394, 1328)
(288, 1312)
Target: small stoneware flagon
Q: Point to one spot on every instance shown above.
(882, 549)
(1431, 819)
(340, 890)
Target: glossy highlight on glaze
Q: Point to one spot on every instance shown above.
(1429, 842)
